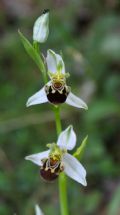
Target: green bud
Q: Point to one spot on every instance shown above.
(41, 27)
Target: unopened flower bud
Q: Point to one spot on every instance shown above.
(41, 27)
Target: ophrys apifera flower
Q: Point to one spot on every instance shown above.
(38, 210)
(41, 27)
(56, 90)
(56, 160)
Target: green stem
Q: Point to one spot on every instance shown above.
(62, 177)
(57, 119)
(63, 194)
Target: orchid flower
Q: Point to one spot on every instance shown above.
(38, 211)
(56, 91)
(41, 27)
(56, 160)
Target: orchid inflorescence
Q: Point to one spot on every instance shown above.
(56, 160)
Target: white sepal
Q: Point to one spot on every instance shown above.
(41, 28)
(38, 98)
(38, 211)
(67, 139)
(54, 62)
(74, 169)
(37, 158)
(60, 64)
(75, 101)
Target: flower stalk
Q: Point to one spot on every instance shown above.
(63, 194)
(57, 119)
(62, 178)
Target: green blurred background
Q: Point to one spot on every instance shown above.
(88, 34)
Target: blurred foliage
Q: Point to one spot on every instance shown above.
(88, 34)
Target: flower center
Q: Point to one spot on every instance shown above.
(51, 169)
(52, 166)
(57, 85)
(57, 92)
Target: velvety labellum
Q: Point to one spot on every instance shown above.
(56, 96)
(51, 169)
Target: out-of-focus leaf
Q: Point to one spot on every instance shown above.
(4, 209)
(114, 205)
(111, 46)
(4, 182)
(79, 152)
(102, 108)
(92, 202)
(32, 52)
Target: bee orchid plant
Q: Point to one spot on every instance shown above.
(56, 162)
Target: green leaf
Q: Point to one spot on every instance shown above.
(81, 148)
(32, 52)
(114, 205)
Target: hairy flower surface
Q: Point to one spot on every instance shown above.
(56, 160)
(56, 90)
